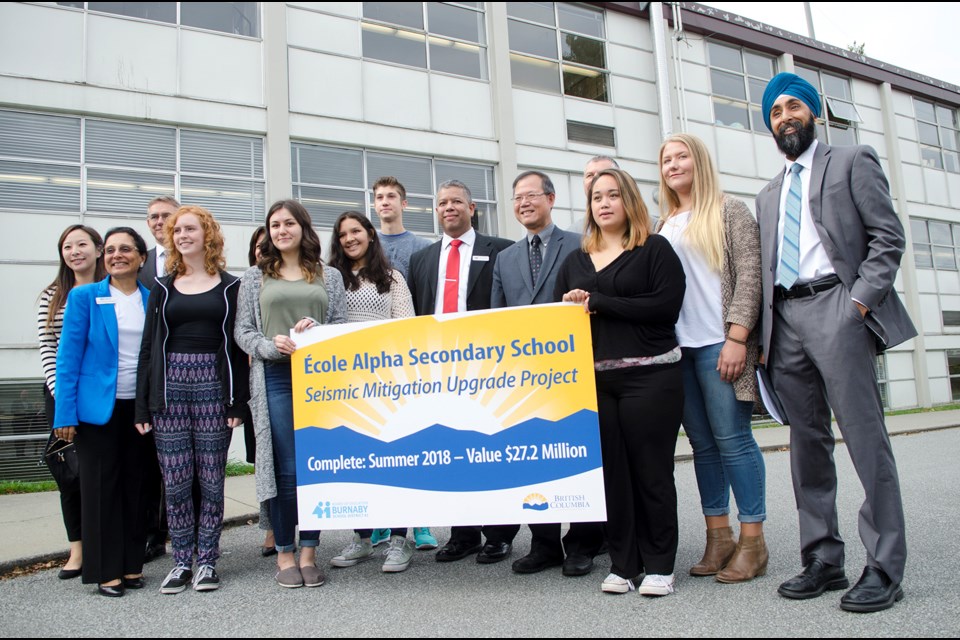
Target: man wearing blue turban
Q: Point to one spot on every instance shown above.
(831, 244)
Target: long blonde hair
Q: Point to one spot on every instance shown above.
(706, 231)
(638, 218)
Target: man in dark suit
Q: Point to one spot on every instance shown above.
(158, 210)
(831, 246)
(451, 275)
(526, 273)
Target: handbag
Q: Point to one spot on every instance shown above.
(61, 458)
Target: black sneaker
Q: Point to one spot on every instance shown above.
(177, 580)
(206, 579)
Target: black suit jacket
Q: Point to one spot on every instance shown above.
(148, 274)
(425, 271)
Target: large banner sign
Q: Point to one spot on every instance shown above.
(485, 417)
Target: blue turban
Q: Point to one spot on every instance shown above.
(792, 85)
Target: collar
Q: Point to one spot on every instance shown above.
(805, 159)
(544, 235)
(469, 238)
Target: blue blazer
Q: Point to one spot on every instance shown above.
(88, 357)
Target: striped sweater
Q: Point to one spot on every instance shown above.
(49, 337)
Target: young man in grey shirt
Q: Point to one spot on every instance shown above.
(390, 199)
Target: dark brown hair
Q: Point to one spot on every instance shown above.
(377, 270)
(66, 279)
(270, 258)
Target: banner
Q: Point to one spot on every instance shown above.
(485, 417)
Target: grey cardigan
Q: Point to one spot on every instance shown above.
(740, 287)
(250, 338)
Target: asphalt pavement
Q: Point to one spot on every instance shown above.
(467, 599)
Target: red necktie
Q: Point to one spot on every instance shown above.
(451, 284)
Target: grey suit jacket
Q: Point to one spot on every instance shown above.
(148, 274)
(860, 231)
(513, 284)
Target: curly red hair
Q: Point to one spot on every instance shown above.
(213, 259)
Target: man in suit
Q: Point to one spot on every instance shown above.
(831, 246)
(451, 275)
(158, 210)
(526, 273)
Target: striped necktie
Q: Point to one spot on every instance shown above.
(790, 250)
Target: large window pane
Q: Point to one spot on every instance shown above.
(918, 229)
(394, 45)
(836, 87)
(226, 199)
(931, 158)
(731, 114)
(584, 83)
(583, 51)
(455, 22)
(727, 84)
(533, 73)
(409, 14)
(757, 65)
(757, 87)
(478, 178)
(41, 187)
(940, 233)
(131, 145)
(928, 133)
(529, 38)
(326, 165)
(842, 110)
(947, 117)
(541, 12)
(842, 135)
(115, 191)
(581, 19)
(240, 18)
(39, 137)
(221, 154)
(325, 205)
(461, 58)
(951, 161)
(159, 11)
(924, 111)
(413, 173)
(944, 259)
(725, 57)
(418, 217)
(810, 75)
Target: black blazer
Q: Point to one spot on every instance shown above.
(425, 270)
(148, 273)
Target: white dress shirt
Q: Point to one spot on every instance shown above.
(469, 240)
(161, 262)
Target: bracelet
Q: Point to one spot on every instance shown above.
(735, 341)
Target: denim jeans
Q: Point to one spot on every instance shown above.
(725, 454)
(283, 508)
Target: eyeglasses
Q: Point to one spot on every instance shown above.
(153, 217)
(527, 196)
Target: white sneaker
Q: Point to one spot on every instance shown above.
(357, 551)
(615, 584)
(656, 585)
(398, 555)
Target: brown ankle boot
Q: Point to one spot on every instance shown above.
(748, 562)
(720, 548)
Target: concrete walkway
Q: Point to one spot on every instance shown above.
(31, 526)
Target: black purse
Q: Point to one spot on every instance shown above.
(61, 458)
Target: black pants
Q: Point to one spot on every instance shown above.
(69, 494)
(113, 458)
(582, 539)
(494, 533)
(639, 410)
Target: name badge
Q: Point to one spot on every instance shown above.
(106, 300)
(481, 258)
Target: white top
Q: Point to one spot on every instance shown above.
(466, 256)
(814, 261)
(366, 303)
(161, 262)
(130, 319)
(701, 316)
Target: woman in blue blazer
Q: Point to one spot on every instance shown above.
(96, 388)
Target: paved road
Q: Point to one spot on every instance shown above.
(466, 599)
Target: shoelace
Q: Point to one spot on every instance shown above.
(396, 546)
(204, 571)
(177, 572)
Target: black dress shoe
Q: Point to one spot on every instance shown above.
(67, 574)
(114, 591)
(457, 550)
(134, 583)
(815, 578)
(535, 562)
(874, 591)
(577, 565)
(494, 552)
(154, 551)
(266, 552)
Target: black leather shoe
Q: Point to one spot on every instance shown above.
(815, 578)
(456, 550)
(534, 562)
(115, 591)
(494, 552)
(577, 565)
(266, 552)
(67, 574)
(874, 591)
(154, 551)
(133, 583)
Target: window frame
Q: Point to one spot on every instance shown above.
(754, 109)
(176, 24)
(942, 151)
(828, 122)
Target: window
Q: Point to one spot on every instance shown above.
(430, 35)
(331, 180)
(939, 135)
(558, 47)
(71, 164)
(738, 78)
(839, 117)
(880, 366)
(953, 367)
(23, 431)
(935, 244)
(238, 18)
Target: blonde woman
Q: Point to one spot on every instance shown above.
(632, 284)
(718, 242)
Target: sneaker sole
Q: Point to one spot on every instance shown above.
(395, 568)
(169, 591)
(653, 593)
(313, 584)
(348, 563)
(617, 589)
(206, 587)
(427, 546)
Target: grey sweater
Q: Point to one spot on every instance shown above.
(249, 335)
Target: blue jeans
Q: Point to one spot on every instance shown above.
(283, 508)
(725, 455)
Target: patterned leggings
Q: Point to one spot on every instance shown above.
(192, 433)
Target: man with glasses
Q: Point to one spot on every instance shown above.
(158, 210)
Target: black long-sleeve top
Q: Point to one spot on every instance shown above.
(637, 299)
